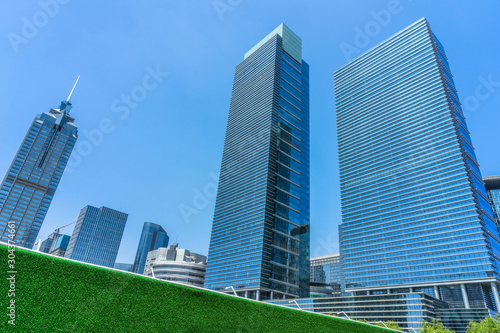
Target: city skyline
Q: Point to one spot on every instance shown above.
(185, 179)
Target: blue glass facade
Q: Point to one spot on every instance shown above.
(260, 234)
(124, 267)
(49, 245)
(46, 245)
(97, 236)
(61, 242)
(492, 184)
(408, 310)
(415, 212)
(152, 237)
(33, 177)
(60, 245)
(327, 269)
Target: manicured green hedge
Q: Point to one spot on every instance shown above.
(58, 295)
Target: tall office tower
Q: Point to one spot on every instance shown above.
(31, 181)
(415, 214)
(152, 237)
(97, 236)
(492, 184)
(260, 234)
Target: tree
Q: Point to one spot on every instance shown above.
(435, 327)
(487, 325)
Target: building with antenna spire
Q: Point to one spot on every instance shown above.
(32, 179)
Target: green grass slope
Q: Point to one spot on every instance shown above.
(57, 295)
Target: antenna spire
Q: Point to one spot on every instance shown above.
(71, 93)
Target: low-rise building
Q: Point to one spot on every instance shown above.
(175, 264)
(60, 245)
(408, 309)
(124, 267)
(327, 270)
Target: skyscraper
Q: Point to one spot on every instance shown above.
(32, 179)
(260, 234)
(97, 236)
(492, 184)
(415, 214)
(152, 237)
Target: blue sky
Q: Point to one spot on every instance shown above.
(153, 97)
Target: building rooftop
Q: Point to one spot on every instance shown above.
(492, 182)
(325, 256)
(292, 43)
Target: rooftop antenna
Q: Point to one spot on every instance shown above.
(71, 93)
(66, 105)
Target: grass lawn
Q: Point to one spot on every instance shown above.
(57, 295)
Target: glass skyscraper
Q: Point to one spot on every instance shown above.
(260, 235)
(152, 237)
(493, 189)
(32, 179)
(415, 213)
(97, 236)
